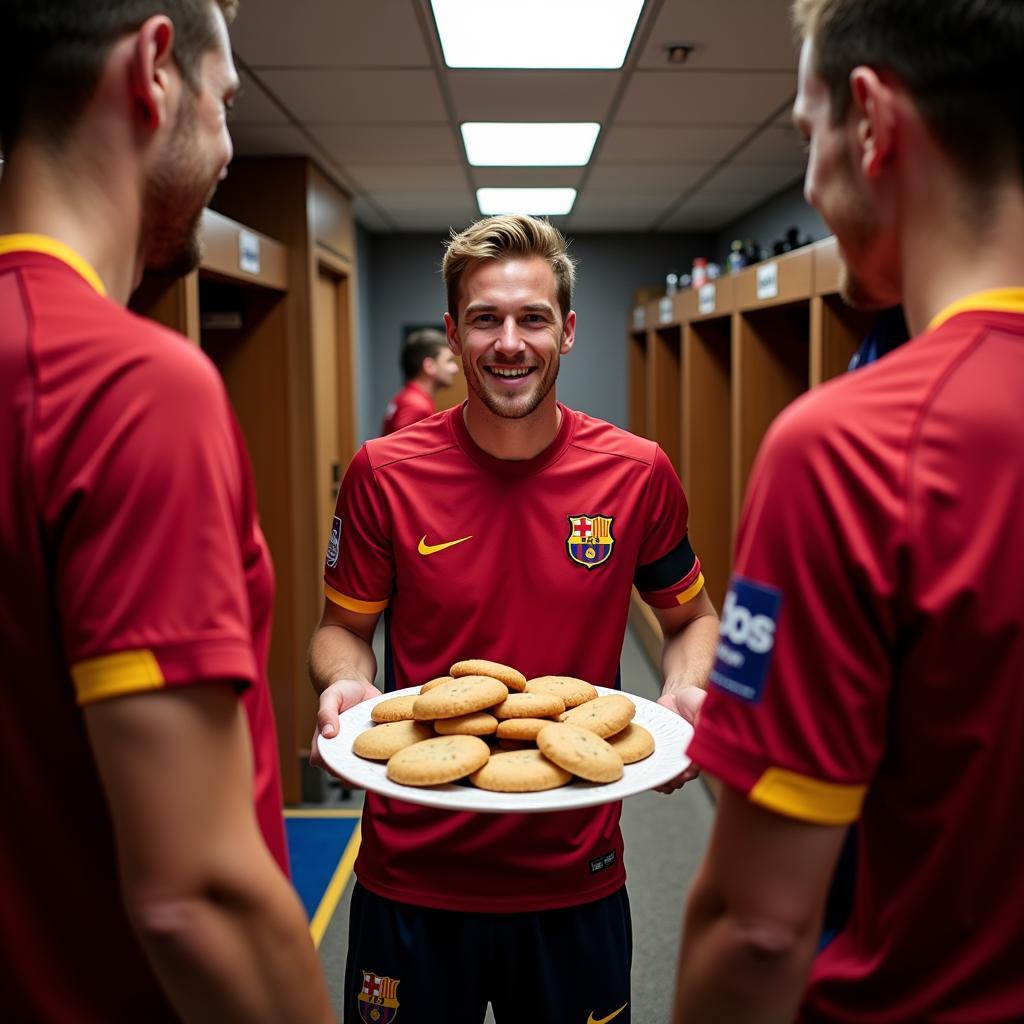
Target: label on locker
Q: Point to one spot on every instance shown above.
(665, 310)
(767, 280)
(706, 299)
(639, 318)
(248, 252)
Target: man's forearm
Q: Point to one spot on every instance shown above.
(688, 656)
(337, 653)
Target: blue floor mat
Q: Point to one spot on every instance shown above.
(315, 845)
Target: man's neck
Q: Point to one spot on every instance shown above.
(425, 384)
(514, 440)
(949, 258)
(89, 208)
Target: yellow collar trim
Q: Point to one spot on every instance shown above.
(58, 250)
(1002, 300)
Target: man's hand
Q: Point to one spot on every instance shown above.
(338, 697)
(687, 704)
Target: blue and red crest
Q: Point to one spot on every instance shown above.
(377, 1000)
(590, 540)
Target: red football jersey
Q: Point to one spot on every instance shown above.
(528, 563)
(127, 527)
(410, 405)
(871, 663)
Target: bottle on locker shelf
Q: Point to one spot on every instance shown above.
(699, 274)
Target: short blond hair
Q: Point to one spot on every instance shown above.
(510, 236)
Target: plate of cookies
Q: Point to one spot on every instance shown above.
(486, 738)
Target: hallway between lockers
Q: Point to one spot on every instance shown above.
(664, 839)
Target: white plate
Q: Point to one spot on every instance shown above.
(671, 738)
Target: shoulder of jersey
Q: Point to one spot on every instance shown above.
(603, 438)
(425, 437)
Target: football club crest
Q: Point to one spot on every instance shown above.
(377, 1002)
(590, 540)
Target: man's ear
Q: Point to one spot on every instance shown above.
(568, 333)
(451, 331)
(152, 70)
(875, 109)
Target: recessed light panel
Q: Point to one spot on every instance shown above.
(526, 144)
(536, 201)
(536, 33)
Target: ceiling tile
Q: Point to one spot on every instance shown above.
(746, 34)
(712, 97)
(366, 96)
(777, 143)
(252, 104)
(378, 143)
(391, 177)
(527, 177)
(270, 140)
(657, 177)
(767, 178)
(646, 144)
(642, 206)
(330, 33)
(532, 95)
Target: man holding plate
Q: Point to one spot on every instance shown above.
(510, 528)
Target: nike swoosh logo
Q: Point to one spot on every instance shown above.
(591, 1019)
(432, 549)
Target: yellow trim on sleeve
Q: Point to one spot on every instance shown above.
(58, 250)
(800, 796)
(352, 604)
(114, 675)
(1002, 300)
(692, 590)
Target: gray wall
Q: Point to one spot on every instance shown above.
(770, 220)
(404, 273)
(364, 336)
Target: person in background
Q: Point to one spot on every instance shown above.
(872, 641)
(427, 366)
(142, 813)
(509, 528)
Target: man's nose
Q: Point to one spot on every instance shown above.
(509, 342)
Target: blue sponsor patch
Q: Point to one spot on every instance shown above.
(334, 544)
(746, 638)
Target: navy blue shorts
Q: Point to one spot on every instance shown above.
(568, 966)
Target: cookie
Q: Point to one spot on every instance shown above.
(512, 679)
(441, 759)
(572, 691)
(439, 681)
(478, 723)
(529, 705)
(521, 728)
(459, 697)
(578, 751)
(383, 741)
(604, 716)
(396, 709)
(633, 744)
(519, 771)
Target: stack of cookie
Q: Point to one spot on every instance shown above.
(544, 731)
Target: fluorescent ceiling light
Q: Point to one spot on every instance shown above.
(535, 201)
(535, 33)
(525, 144)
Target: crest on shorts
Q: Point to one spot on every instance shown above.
(376, 1000)
(590, 540)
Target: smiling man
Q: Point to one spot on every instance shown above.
(510, 528)
(872, 646)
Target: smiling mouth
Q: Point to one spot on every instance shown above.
(510, 372)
